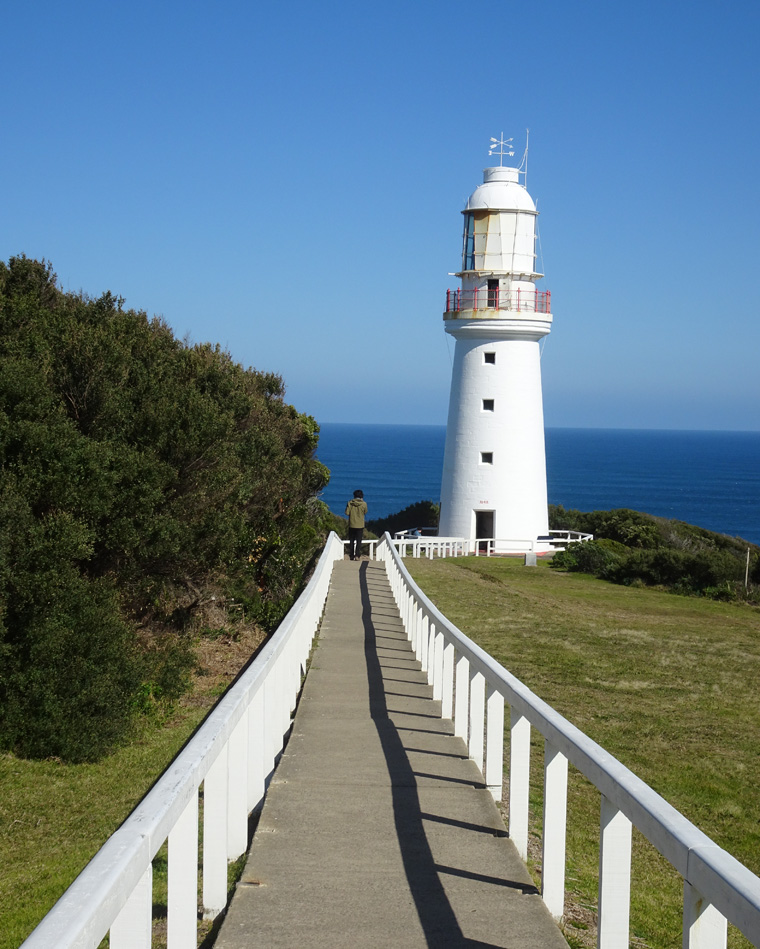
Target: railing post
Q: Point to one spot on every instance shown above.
(423, 624)
(477, 717)
(412, 620)
(555, 824)
(256, 750)
(237, 790)
(614, 877)
(431, 651)
(494, 742)
(462, 689)
(182, 901)
(438, 643)
(519, 781)
(430, 640)
(132, 927)
(297, 661)
(270, 724)
(215, 837)
(282, 677)
(447, 686)
(703, 926)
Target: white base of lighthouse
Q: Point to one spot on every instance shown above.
(494, 468)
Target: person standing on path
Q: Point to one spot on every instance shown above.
(355, 511)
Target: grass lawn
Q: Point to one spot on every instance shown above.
(54, 817)
(668, 684)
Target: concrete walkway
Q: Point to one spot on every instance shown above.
(377, 830)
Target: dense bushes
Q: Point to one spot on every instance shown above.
(419, 514)
(590, 557)
(631, 547)
(135, 469)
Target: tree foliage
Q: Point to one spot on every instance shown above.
(134, 469)
(419, 514)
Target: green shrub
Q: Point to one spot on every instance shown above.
(623, 525)
(674, 568)
(67, 687)
(565, 559)
(134, 469)
(634, 548)
(419, 514)
(589, 557)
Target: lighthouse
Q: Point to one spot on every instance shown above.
(494, 468)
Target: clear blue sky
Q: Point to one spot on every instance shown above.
(287, 180)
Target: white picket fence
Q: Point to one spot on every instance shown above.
(232, 755)
(473, 689)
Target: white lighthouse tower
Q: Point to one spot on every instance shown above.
(494, 468)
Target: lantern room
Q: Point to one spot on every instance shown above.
(499, 248)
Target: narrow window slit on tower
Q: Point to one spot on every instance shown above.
(488, 405)
(489, 358)
(486, 457)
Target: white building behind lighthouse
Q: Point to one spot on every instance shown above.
(494, 469)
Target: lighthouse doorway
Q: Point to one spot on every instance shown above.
(484, 528)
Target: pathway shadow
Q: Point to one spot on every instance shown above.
(436, 914)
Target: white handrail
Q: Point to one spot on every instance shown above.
(716, 886)
(233, 753)
(430, 545)
(570, 536)
(370, 543)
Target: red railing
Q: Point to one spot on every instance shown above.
(530, 301)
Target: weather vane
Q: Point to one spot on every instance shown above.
(501, 147)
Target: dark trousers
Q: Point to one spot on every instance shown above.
(355, 535)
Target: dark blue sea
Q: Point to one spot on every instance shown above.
(711, 479)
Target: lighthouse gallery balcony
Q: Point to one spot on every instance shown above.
(513, 301)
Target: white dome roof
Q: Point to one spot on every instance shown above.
(501, 191)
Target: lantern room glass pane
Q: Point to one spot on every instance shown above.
(468, 253)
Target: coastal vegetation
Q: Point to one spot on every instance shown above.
(153, 494)
(666, 683)
(418, 515)
(633, 548)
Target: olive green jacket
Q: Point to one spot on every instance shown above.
(355, 511)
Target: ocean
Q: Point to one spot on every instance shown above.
(711, 479)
